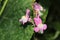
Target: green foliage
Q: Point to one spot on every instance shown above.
(10, 27)
(53, 21)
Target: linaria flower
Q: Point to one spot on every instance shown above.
(38, 8)
(25, 18)
(40, 27)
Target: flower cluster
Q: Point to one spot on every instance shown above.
(39, 26)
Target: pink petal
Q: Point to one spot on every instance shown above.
(29, 19)
(23, 20)
(27, 13)
(45, 27)
(36, 29)
(37, 20)
(41, 8)
(37, 6)
(20, 20)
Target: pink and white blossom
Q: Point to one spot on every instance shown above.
(40, 27)
(25, 18)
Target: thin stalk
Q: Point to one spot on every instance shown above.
(2, 9)
(56, 35)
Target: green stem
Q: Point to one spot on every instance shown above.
(2, 9)
(56, 35)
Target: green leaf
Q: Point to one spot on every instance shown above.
(45, 4)
(10, 27)
(44, 15)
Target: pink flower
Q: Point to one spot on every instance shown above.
(39, 25)
(37, 6)
(37, 20)
(25, 18)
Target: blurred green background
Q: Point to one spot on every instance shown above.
(12, 10)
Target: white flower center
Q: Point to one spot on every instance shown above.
(24, 19)
(40, 25)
